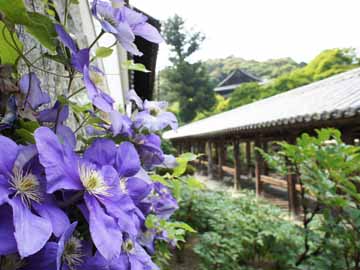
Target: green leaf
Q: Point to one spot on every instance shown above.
(182, 225)
(80, 108)
(43, 29)
(30, 126)
(130, 65)
(160, 179)
(25, 136)
(194, 183)
(15, 11)
(103, 52)
(181, 168)
(151, 221)
(8, 54)
(188, 156)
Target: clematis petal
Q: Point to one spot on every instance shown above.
(8, 242)
(65, 38)
(101, 152)
(4, 190)
(101, 100)
(54, 114)
(30, 87)
(54, 214)
(127, 160)
(120, 124)
(45, 259)
(121, 208)
(137, 188)
(81, 59)
(148, 32)
(61, 165)
(31, 231)
(8, 155)
(25, 154)
(132, 96)
(104, 230)
(66, 136)
(62, 243)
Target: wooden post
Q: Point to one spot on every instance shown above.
(291, 181)
(258, 168)
(248, 159)
(220, 160)
(237, 165)
(210, 160)
(266, 167)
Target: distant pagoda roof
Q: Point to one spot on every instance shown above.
(234, 79)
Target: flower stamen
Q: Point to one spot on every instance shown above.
(93, 181)
(72, 255)
(27, 186)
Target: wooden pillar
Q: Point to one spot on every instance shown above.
(248, 159)
(265, 166)
(237, 165)
(209, 160)
(220, 160)
(291, 183)
(258, 168)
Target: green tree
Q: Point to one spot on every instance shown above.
(244, 94)
(187, 83)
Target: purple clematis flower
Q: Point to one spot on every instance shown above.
(133, 257)
(93, 77)
(154, 117)
(67, 254)
(149, 147)
(96, 175)
(160, 202)
(121, 124)
(125, 23)
(28, 215)
(33, 95)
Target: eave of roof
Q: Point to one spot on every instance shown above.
(337, 97)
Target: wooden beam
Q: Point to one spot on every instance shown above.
(237, 165)
(258, 168)
(277, 182)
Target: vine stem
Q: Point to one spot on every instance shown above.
(97, 38)
(75, 92)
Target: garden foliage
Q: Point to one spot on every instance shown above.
(83, 198)
(249, 233)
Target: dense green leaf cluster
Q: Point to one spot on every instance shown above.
(240, 233)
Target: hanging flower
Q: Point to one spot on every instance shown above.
(125, 23)
(93, 77)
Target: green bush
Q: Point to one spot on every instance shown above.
(240, 233)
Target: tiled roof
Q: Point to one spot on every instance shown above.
(332, 98)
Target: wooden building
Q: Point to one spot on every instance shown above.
(233, 81)
(332, 102)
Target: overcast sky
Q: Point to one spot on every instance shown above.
(263, 29)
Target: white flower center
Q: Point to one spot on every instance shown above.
(93, 181)
(72, 255)
(27, 186)
(128, 246)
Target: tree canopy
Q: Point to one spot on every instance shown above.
(187, 83)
